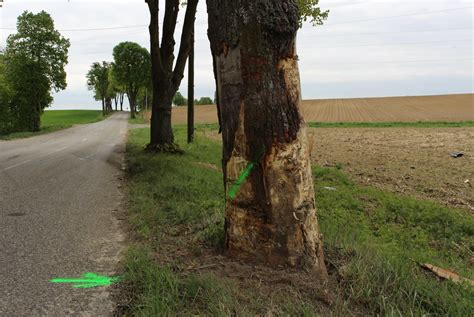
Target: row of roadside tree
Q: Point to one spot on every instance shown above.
(129, 74)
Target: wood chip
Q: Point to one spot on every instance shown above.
(446, 274)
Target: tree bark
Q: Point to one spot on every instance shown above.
(166, 79)
(116, 102)
(131, 101)
(103, 107)
(272, 217)
(161, 131)
(108, 105)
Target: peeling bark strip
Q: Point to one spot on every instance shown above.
(272, 218)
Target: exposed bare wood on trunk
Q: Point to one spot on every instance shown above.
(272, 219)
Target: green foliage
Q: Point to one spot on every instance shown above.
(98, 80)
(37, 41)
(131, 69)
(5, 100)
(35, 59)
(309, 10)
(179, 99)
(204, 101)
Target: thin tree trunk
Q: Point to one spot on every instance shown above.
(103, 107)
(191, 93)
(131, 101)
(35, 124)
(108, 105)
(271, 218)
(121, 101)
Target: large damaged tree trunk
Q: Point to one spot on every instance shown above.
(271, 218)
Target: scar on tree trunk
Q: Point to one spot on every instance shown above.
(272, 217)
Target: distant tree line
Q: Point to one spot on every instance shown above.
(31, 67)
(179, 100)
(129, 74)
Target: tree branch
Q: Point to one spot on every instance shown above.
(169, 26)
(154, 28)
(185, 45)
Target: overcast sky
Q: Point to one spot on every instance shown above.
(366, 48)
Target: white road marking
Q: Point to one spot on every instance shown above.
(84, 140)
(27, 161)
(16, 165)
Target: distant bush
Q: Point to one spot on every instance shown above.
(204, 101)
(179, 99)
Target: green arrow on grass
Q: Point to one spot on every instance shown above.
(88, 280)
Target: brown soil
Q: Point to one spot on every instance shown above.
(387, 109)
(414, 161)
(391, 109)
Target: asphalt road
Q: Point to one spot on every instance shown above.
(60, 216)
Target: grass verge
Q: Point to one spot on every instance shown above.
(371, 238)
(54, 120)
(139, 119)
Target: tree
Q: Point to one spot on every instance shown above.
(145, 95)
(35, 59)
(131, 69)
(309, 9)
(179, 99)
(272, 217)
(5, 100)
(204, 101)
(99, 82)
(167, 74)
(118, 89)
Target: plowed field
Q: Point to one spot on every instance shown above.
(413, 161)
(389, 109)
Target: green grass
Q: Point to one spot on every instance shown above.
(54, 120)
(371, 238)
(138, 119)
(384, 232)
(417, 124)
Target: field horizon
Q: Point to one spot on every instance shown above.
(450, 108)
